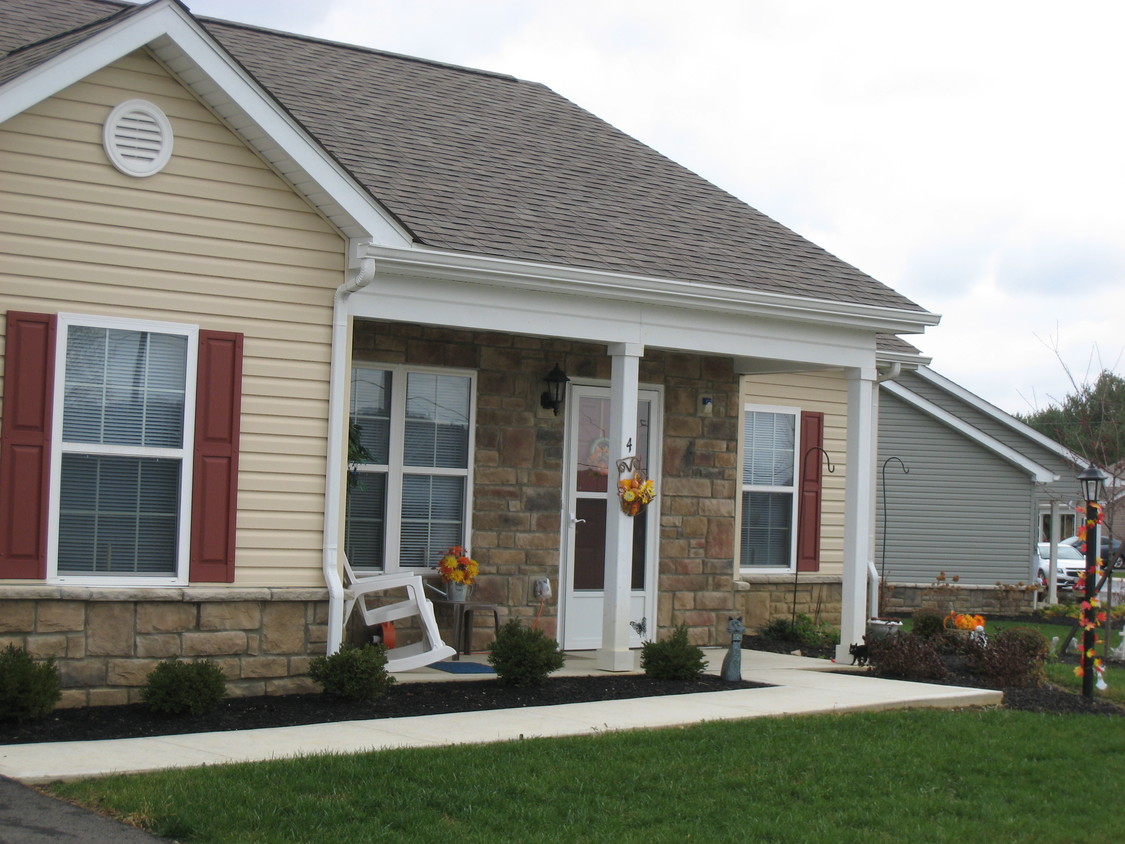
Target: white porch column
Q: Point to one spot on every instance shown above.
(859, 501)
(614, 654)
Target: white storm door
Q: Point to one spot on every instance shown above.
(591, 479)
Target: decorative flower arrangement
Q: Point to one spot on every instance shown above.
(636, 491)
(457, 567)
(964, 621)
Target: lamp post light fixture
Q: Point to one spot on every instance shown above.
(1092, 480)
(552, 397)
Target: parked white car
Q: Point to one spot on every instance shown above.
(1071, 563)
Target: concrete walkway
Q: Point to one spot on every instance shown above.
(799, 686)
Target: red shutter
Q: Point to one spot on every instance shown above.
(808, 508)
(25, 444)
(215, 481)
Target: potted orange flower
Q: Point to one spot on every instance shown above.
(459, 572)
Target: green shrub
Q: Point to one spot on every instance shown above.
(28, 689)
(1058, 611)
(523, 656)
(802, 631)
(1014, 657)
(928, 623)
(184, 688)
(905, 657)
(673, 659)
(353, 673)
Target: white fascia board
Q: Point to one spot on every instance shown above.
(1000, 416)
(908, 360)
(1040, 474)
(711, 298)
(483, 307)
(201, 63)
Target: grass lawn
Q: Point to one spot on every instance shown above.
(910, 776)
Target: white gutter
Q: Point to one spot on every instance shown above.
(578, 281)
(889, 372)
(359, 278)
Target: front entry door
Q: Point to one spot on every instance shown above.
(591, 480)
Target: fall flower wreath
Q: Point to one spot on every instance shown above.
(636, 490)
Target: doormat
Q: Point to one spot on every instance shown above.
(464, 667)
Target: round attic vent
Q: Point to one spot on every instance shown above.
(138, 138)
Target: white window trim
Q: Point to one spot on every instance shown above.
(793, 490)
(396, 470)
(184, 454)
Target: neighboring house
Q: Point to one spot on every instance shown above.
(979, 493)
(220, 243)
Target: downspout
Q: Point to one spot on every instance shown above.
(358, 278)
(889, 372)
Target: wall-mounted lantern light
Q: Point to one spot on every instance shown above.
(552, 397)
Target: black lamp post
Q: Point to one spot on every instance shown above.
(1091, 480)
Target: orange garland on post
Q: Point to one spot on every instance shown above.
(1090, 616)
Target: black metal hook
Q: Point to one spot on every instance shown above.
(886, 518)
(831, 469)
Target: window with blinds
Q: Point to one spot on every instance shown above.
(769, 492)
(122, 442)
(409, 502)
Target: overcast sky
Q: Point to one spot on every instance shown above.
(968, 154)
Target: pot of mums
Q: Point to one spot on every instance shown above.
(458, 573)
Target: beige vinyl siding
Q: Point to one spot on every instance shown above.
(216, 239)
(820, 392)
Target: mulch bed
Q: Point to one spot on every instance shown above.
(1046, 698)
(407, 699)
(402, 700)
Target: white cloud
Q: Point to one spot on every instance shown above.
(968, 154)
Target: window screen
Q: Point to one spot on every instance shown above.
(124, 395)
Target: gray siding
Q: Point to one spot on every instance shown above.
(961, 509)
(1064, 489)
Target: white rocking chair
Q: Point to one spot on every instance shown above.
(427, 650)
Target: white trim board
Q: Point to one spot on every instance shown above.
(1040, 474)
(999, 415)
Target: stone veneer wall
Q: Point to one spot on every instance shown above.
(766, 597)
(519, 473)
(106, 641)
(904, 598)
(820, 598)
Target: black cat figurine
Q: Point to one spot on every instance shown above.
(859, 654)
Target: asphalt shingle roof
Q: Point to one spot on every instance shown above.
(484, 163)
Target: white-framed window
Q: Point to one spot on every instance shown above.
(768, 533)
(411, 501)
(121, 443)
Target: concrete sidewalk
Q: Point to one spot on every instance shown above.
(798, 686)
